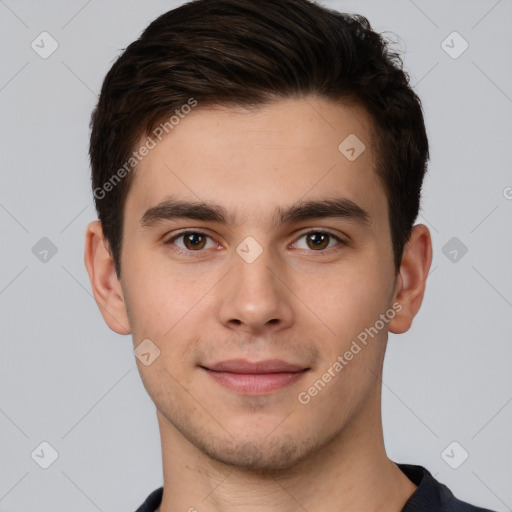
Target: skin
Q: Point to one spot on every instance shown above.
(222, 450)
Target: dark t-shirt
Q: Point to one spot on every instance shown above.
(430, 496)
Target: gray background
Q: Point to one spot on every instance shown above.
(66, 379)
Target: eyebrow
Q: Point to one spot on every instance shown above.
(172, 209)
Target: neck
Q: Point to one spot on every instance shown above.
(349, 473)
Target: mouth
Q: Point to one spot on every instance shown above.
(255, 378)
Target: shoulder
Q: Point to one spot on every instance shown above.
(431, 495)
(152, 501)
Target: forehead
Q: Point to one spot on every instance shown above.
(258, 160)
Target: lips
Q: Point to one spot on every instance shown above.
(255, 378)
(262, 367)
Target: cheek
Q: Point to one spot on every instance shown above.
(346, 297)
(155, 306)
(158, 295)
(166, 308)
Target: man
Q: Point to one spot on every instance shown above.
(257, 169)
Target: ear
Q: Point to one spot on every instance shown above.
(411, 280)
(105, 284)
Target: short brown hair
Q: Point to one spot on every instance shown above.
(248, 53)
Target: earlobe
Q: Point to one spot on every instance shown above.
(411, 281)
(105, 285)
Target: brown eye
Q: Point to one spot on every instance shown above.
(191, 241)
(317, 240)
(194, 241)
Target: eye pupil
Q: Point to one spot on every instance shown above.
(318, 240)
(194, 241)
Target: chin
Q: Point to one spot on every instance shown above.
(257, 455)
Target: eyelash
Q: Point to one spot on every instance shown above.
(188, 252)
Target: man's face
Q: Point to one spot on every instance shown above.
(211, 296)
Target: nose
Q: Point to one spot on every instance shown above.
(254, 296)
